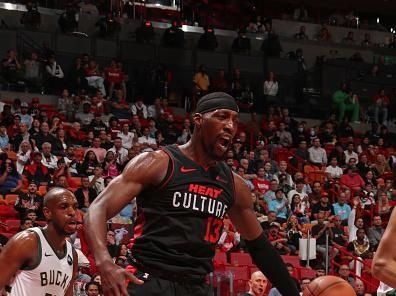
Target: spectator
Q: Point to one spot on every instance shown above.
(122, 256)
(208, 40)
(257, 284)
(360, 247)
(85, 117)
(360, 289)
(350, 153)
(375, 232)
(126, 136)
(283, 170)
(36, 171)
(285, 137)
(201, 83)
(293, 234)
(367, 40)
(49, 160)
(382, 102)
(261, 184)
(10, 180)
(155, 111)
(270, 89)
(94, 76)
(173, 36)
(333, 171)
(120, 153)
(89, 163)
(96, 180)
(301, 35)
(75, 135)
(320, 231)
(33, 73)
(381, 165)
(384, 208)
(54, 75)
(299, 189)
(4, 140)
(11, 67)
(344, 273)
(139, 108)
(68, 20)
(323, 207)
(241, 44)
(26, 223)
(341, 208)
(29, 201)
(85, 194)
(114, 77)
(110, 166)
(344, 101)
(23, 155)
(31, 19)
(112, 248)
(324, 33)
(317, 155)
(108, 26)
(93, 289)
(339, 236)
(280, 206)
(277, 240)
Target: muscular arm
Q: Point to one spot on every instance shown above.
(16, 254)
(263, 253)
(145, 170)
(384, 263)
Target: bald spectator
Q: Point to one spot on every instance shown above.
(375, 232)
(257, 284)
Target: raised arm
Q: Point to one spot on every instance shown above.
(16, 254)
(147, 169)
(263, 253)
(384, 263)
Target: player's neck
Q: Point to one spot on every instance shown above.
(54, 238)
(194, 149)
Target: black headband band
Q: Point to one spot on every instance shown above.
(216, 100)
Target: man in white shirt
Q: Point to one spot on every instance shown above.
(48, 159)
(121, 154)
(96, 181)
(146, 139)
(283, 170)
(333, 171)
(317, 155)
(155, 110)
(349, 153)
(126, 136)
(139, 109)
(299, 190)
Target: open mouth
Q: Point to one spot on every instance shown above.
(224, 142)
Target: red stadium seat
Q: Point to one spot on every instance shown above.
(240, 259)
(240, 277)
(293, 260)
(220, 258)
(307, 273)
(13, 225)
(11, 198)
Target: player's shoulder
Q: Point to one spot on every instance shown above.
(24, 242)
(149, 159)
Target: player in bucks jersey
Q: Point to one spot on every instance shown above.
(41, 260)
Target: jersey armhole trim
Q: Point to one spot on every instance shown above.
(233, 186)
(169, 172)
(39, 254)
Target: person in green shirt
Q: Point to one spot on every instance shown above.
(345, 101)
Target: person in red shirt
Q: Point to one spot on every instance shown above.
(352, 180)
(261, 184)
(114, 76)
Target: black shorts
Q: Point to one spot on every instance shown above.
(154, 286)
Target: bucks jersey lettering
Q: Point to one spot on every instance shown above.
(52, 275)
(180, 222)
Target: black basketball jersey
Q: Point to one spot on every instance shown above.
(180, 222)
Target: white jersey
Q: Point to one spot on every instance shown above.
(52, 275)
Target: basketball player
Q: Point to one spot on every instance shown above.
(183, 194)
(384, 263)
(42, 261)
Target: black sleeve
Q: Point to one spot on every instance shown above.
(270, 263)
